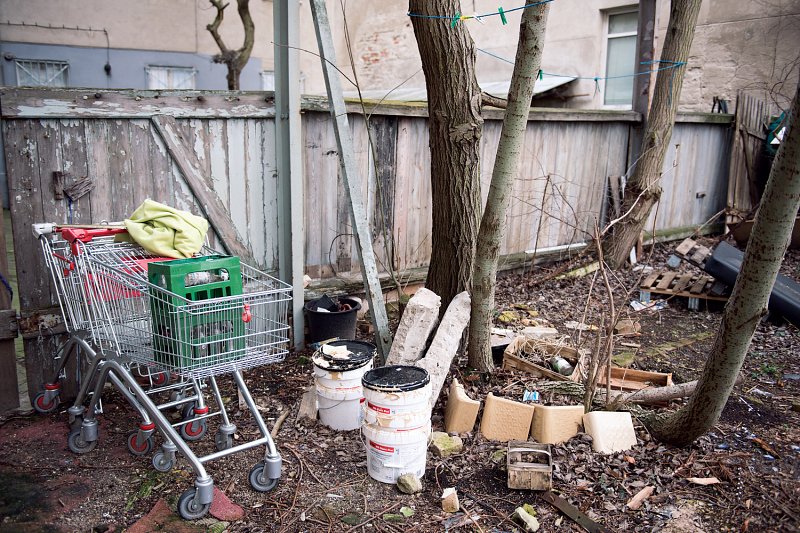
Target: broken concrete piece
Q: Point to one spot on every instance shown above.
(444, 445)
(523, 518)
(416, 324)
(409, 484)
(461, 411)
(506, 420)
(450, 500)
(308, 405)
(445, 343)
(627, 326)
(554, 424)
(540, 332)
(611, 432)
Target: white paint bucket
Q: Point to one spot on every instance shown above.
(395, 401)
(392, 453)
(338, 384)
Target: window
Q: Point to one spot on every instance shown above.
(620, 57)
(267, 80)
(170, 77)
(35, 73)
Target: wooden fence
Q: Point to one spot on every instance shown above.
(213, 152)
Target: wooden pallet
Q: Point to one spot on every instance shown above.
(692, 252)
(695, 287)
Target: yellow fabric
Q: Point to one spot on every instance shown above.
(166, 231)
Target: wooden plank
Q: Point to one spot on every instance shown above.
(9, 387)
(272, 221)
(685, 247)
(254, 173)
(666, 280)
(161, 167)
(681, 282)
(143, 187)
(237, 168)
(350, 173)
(699, 285)
(120, 169)
(97, 154)
(209, 202)
(648, 282)
(18, 102)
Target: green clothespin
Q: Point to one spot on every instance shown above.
(455, 20)
(502, 15)
(541, 74)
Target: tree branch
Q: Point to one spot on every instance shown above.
(488, 99)
(243, 54)
(213, 28)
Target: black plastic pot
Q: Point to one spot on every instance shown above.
(324, 325)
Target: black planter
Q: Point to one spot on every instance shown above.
(327, 325)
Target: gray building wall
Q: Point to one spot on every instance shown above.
(127, 66)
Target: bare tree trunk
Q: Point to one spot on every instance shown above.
(506, 168)
(643, 190)
(762, 259)
(455, 125)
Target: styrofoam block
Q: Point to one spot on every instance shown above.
(461, 411)
(505, 420)
(611, 432)
(554, 424)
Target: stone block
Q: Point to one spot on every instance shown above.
(610, 432)
(505, 420)
(554, 424)
(461, 411)
(444, 445)
(409, 484)
(445, 343)
(416, 324)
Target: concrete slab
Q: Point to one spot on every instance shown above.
(416, 324)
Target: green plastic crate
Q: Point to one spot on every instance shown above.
(189, 336)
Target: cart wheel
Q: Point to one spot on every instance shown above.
(255, 481)
(187, 411)
(160, 379)
(76, 424)
(188, 506)
(223, 440)
(194, 430)
(41, 405)
(161, 463)
(139, 449)
(78, 445)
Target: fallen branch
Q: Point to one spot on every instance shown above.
(277, 427)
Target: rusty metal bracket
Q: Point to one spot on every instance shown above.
(573, 513)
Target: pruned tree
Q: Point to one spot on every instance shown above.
(455, 127)
(235, 60)
(642, 190)
(748, 303)
(506, 168)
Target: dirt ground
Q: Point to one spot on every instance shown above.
(754, 450)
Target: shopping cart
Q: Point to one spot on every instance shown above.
(123, 321)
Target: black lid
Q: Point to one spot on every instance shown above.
(361, 353)
(396, 378)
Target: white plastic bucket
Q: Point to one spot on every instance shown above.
(392, 453)
(397, 397)
(338, 385)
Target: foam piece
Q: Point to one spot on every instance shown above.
(554, 424)
(506, 420)
(611, 432)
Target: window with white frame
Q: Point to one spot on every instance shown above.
(170, 77)
(37, 73)
(620, 57)
(267, 80)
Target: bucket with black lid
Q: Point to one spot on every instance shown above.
(338, 369)
(397, 421)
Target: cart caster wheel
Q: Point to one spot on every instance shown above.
(194, 430)
(255, 481)
(161, 463)
(78, 445)
(187, 411)
(188, 506)
(139, 449)
(160, 379)
(76, 424)
(42, 406)
(223, 441)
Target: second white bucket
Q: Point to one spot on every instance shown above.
(397, 397)
(337, 377)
